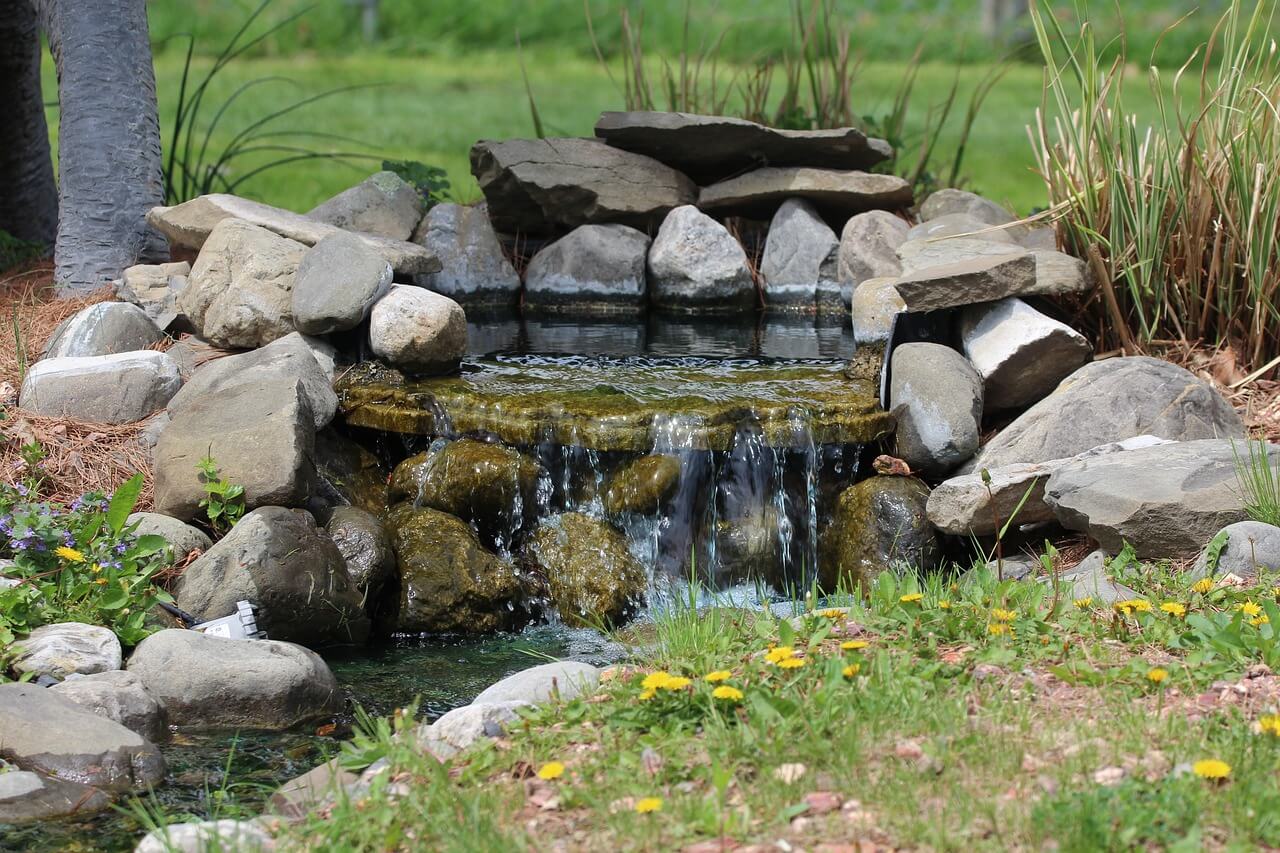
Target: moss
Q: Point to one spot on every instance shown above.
(879, 524)
(591, 575)
(640, 486)
(474, 480)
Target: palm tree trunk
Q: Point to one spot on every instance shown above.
(28, 195)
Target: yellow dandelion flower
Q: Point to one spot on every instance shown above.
(1001, 615)
(676, 682)
(1174, 608)
(654, 680)
(1083, 603)
(780, 653)
(550, 770)
(999, 628)
(1141, 605)
(101, 581)
(71, 555)
(95, 568)
(1260, 620)
(1203, 586)
(1211, 768)
(1270, 724)
(647, 695)
(852, 669)
(854, 645)
(724, 691)
(944, 605)
(1133, 605)
(791, 663)
(648, 805)
(1156, 675)
(1250, 608)
(717, 676)
(911, 598)
(832, 613)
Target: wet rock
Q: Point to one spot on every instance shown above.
(592, 269)
(869, 249)
(291, 571)
(696, 265)
(27, 796)
(51, 735)
(118, 695)
(365, 547)
(303, 795)
(878, 525)
(349, 474)
(154, 288)
(641, 485)
(540, 186)
(1056, 273)
(800, 259)
(478, 481)
(103, 329)
(207, 682)
(836, 193)
(936, 396)
(476, 270)
(958, 225)
(875, 304)
(967, 282)
(591, 575)
(208, 836)
(566, 679)
(418, 330)
(338, 281)
(463, 727)
(1248, 548)
(1108, 401)
(106, 389)
(448, 582)
(65, 648)
(949, 201)
(383, 204)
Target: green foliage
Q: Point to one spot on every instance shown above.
(223, 501)
(374, 738)
(431, 182)
(1259, 481)
(14, 252)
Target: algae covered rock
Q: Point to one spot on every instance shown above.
(591, 575)
(448, 582)
(489, 484)
(641, 485)
(878, 524)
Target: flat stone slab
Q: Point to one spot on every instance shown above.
(711, 148)
(27, 796)
(833, 192)
(967, 282)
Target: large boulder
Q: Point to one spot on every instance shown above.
(475, 269)
(103, 329)
(366, 548)
(338, 281)
(291, 571)
(836, 193)
(877, 525)
(874, 307)
(383, 204)
(118, 695)
(27, 796)
(68, 648)
(800, 260)
(936, 397)
(592, 269)
(182, 537)
(1166, 501)
(967, 282)
(1109, 401)
(869, 249)
(948, 202)
(207, 682)
(695, 264)
(490, 484)
(591, 575)
(154, 288)
(421, 331)
(1244, 549)
(107, 389)
(49, 734)
(541, 186)
(641, 485)
(566, 679)
(1056, 273)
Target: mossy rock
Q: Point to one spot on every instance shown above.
(448, 582)
(641, 485)
(474, 480)
(877, 525)
(591, 575)
(749, 549)
(352, 473)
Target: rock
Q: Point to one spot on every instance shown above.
(27, 796)
(696, 265)
(869, 249)
(958, 225)
(947, 202)
(189, 225)
(566, 679)
(1091, 580)
(1248, 548)
(641, 485)
(476, 270)
(365, 547)
(877, 525)
(207, 682)
(448, 582)
(490, 484)
(1108, 401)
(325, 354)
(462, 727)
(290, 570)
(260, 434)
(51, 735)
(1166, 501)
(383, 204)
(1057, 274)
(874, 306)
(936, 397)
(1020, 353)
(118, 695)
(592, 269)
(967, 282)
(800, 260)
(591, 574)
(286, 360)
(154, 288)
(106, 389)
(208, 836)
(418, 330)
(710, 148)
(64, 648)
(182, 537)
(304, 795)
(106, 328)
(337, 283)
(836, 193)
(540, 186)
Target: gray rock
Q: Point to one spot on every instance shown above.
(476, 270)
(287, 359)
(696, 265)
(967, 282)
(958, 225)
(1057, 274)
(951, 201)
(869, 249)
(118, 695)
(1020, 353)
(51, 735)
(383, 204)
(875, 304)
(338, 281)
(27, 796)
(936, 397)
(541, 186)
(418, 330)
(800, 260)
(207, 682)
(260, 434)
(1091, 579)
(154, 288)
(709, 148)
(65, 648)
(189, 225)
(1112, 400)
(566, 679)
(1165, 501)
(877, 525)
(592, 269)
(103, 329)
(107, 389)
(182, 537)
(208, 836)
(1249, 547)
(835, 192)
(462, 727)
(303, 795)
(365, 547)
(325, 354)
(290, 570)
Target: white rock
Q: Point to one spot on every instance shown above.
(460, 728)
(936, 397)
(567, 679)
(208, 836)
(875, 303)
(475, 269)
(958, 225)
(338, 281)
(412, 327)
(64, 648)
(799, 264)
(695, 265)
(868, 249)
(110, 389)
(103, 329)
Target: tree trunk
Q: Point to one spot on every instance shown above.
(109, 169)
(28, 195)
